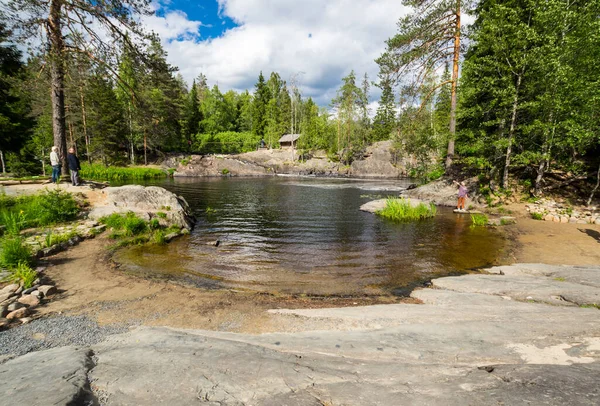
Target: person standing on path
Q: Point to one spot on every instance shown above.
(55, 163)
(462, 195)
(74, 166)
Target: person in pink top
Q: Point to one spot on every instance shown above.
(463, 193)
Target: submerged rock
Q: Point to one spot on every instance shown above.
(147, 203)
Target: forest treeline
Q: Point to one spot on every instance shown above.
(517, 91)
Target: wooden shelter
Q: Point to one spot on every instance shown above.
(289, 140)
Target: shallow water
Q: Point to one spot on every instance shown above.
(307, 235)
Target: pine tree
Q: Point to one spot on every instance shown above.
(261, 100)
(68, 26)
(191, 114)
(427, 38)
(385, 118)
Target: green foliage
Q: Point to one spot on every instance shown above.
(51, 239)
(479, 220)
(23, 275)
(49, 207)
(537, 216)
(154, 224)
(225, 171)
(13, 221)
(402, 210)
(107, 173)
(158, 237)
(129, 224)
(14, 251)
(161, 214)
(226, 143)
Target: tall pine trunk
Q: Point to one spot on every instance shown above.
(450, 155)
(57, 77)
(511, 132)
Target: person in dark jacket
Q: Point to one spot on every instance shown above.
(74, 166)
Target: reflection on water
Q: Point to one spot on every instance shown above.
(308, 236)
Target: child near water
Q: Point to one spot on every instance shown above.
(462, 195)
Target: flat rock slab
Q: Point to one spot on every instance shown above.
(468, 347)
(556, 291)
(154, 366)
(377, 205)
(467, 211)
(52, 377)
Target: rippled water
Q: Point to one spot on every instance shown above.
(306, 235)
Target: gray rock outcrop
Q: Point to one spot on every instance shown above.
(443, 192)
(145, 202)
(467, 344)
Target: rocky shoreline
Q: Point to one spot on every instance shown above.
(476, 339)
(18, 303)
(378, 162)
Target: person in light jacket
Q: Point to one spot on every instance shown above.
(55, 162)
(74, 166)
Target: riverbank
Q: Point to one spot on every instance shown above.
(473, 339)
(90, 284)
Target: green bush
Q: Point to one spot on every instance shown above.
(13, 251)
(56, 206)
(23, 275)
(402, 210)
(479, 220)
(154, 224)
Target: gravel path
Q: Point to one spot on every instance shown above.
(53, 332)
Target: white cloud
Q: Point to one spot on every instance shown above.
(325, 39)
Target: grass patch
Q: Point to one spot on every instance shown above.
(13, 251)
(51, 239)
(537, 216)
(225, 171)
(591, 306)
(23, 275)
(560, 279)
(161, 214)
(402, 210)
(108, 173)
(128, 229)
(47, 208)
(479, 220)
(125, 224)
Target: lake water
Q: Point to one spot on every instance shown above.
(307, 235)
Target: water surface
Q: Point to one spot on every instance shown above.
(307, 235)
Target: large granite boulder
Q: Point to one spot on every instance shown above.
(379, 162)
(145, 202)
(443, 192)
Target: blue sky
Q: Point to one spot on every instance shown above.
(214, 24)
(318, 41)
